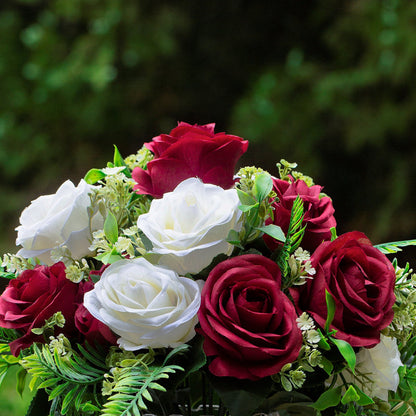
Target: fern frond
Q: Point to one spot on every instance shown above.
(135, 384)
(70, 380)
(294, 236)
(8, 335)
(394, 247)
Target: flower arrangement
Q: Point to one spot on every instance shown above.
(168, 283)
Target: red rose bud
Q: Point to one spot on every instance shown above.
(318, 212)
(189, 151)
(360, 279)
(248, 323)
(34, 297)
(93, 330)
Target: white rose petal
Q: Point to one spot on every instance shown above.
(376, 368)
(146, 305)
(188, 227)
(57, 220)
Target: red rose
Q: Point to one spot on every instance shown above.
(35, 296)
(189, 151)
(93, 330)
(248, 323)
(318, 212)
(361, 280)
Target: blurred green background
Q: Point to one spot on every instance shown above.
(329, 84)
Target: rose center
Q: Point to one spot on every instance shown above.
(255, 300)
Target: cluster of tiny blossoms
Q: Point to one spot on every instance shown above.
(404, 321)
(301, 267)
(293, 375)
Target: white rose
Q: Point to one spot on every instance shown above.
(146, 305)
(378, 368)
(57, 220)
(188, 227)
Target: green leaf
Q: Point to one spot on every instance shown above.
(246, 208)
(241, 398)
(118, 159)
(346, 351)
(70, 375)
(287, 385)
(21, 381)
(412, 387)
(329, 398)
(119, 162)
(111, 228)
(323, 342)
(394, 247)
(287, 403)
(294, 237)
(333, 233)
(273, 231)
(68, 401)
(327, 365)
(330, 307)
(7, 275)
(364, 400)
(350, 395)
(109, 257)
(234, 238)
(351, 411)
(263, 185)
(39, 406)
(245, 198)
(148, 246)
(93, 176)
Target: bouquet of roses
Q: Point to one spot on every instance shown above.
(168, 283)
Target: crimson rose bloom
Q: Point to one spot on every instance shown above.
(319, 212)
(93, 330)
(248, 323)
(35, 296)
(361, 280)
(189, 151)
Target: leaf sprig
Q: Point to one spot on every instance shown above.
(294, 237)
(135, 384)
(75, 377)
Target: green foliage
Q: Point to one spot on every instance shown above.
(136, 383)
(7, 361)
(111, 228)
(73, 380)
(293, 239)
(255, 193)
(330, 306)
(388, 248)
(8, 335)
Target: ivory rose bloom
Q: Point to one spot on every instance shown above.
(57, 220)
(379, 364)
(146, 305)
(188, 227)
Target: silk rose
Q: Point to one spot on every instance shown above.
(248, 323)
(34, 296)
(61, 219)
(189, 151)
(146, 305)
(376, 369)
(93, 330)
(189, 226)
(360, 279)
(318, 212)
